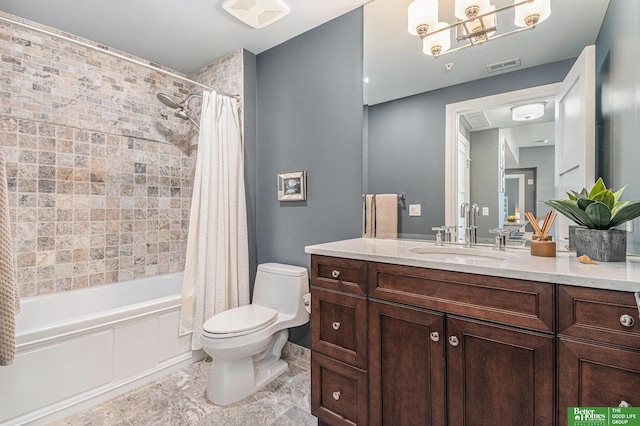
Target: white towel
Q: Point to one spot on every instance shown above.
(368, 216)
(386, 215)
(9, 299)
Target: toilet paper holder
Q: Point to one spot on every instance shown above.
(307, 302)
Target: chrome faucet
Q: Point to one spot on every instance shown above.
(469, 214)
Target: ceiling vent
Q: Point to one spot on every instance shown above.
(501, 66)
(257, 13)
(477, 121)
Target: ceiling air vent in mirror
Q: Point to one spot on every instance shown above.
(500, 66)
(257, 13)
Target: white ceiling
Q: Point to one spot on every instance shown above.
(396, 66)
(188, 35)
(182, 35)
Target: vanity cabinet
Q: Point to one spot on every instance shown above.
(598, 349)
(449, 364)
(433, 347)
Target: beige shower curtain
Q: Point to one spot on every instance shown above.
(9, 299)
(216, 276)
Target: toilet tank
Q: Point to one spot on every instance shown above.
(281, 287)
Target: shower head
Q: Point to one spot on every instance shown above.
(185, 116)
(182, 107)
(168, 101)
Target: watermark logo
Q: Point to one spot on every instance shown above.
(603, 416)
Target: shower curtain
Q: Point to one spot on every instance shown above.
(216, 275)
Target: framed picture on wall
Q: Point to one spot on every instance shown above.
(292, 186)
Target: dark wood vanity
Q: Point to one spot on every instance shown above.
(405, 345)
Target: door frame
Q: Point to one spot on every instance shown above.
(520, 177)
(452, 125)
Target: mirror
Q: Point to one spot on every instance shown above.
(509, 163)
(405, 110)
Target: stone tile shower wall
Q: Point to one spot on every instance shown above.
(100, 173)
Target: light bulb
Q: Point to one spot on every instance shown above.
(423, 15)
(438, 43)
(532, 13)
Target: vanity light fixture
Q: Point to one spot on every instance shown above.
(476, 22)
(528, 112)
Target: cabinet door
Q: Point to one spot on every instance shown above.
(594, 375)
(406, 366)
(498, 375)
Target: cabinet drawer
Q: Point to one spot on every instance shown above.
(339, 326)
(346, 275)
(519, 303)
(596, 314)
(338, 392)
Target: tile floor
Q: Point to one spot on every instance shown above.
(179, 399)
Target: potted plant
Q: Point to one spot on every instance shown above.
(597, 212)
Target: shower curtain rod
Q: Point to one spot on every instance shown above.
(115, 55)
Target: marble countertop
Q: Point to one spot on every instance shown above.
(512, 263)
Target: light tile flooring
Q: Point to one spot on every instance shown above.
(179, 399)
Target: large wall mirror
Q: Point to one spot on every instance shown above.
(409, 146)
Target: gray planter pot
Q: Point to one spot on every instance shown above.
(572, 237)
(604, 245)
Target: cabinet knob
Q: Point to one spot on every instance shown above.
(335, 273)
(435, 336)
(624, 404)
(453, 341)
(626, 320)
(336, 395)
(336, 325)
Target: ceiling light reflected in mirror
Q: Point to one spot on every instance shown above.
(527, 112)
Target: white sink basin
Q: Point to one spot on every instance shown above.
(454, 253)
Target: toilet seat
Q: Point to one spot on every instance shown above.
(239, 321)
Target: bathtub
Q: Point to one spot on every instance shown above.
(78, 348)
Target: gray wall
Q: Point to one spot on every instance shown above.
(310, 118)
(484, 179)
(618, 61)
(406, 140)
(542, 158)
(250, 80)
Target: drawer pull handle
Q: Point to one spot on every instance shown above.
(435, 336)
(626, 320)
(453, 341)
(335, 273)
(336, 325)
(336, 395)
(624, 404)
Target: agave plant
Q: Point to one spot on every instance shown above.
(599, 208)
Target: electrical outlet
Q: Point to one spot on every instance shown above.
(415, 209)
(630, 226)
(485, 211)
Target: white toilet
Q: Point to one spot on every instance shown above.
(246, 342)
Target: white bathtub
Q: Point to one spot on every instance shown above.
(78, 348)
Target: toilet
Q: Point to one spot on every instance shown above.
(246, 342)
